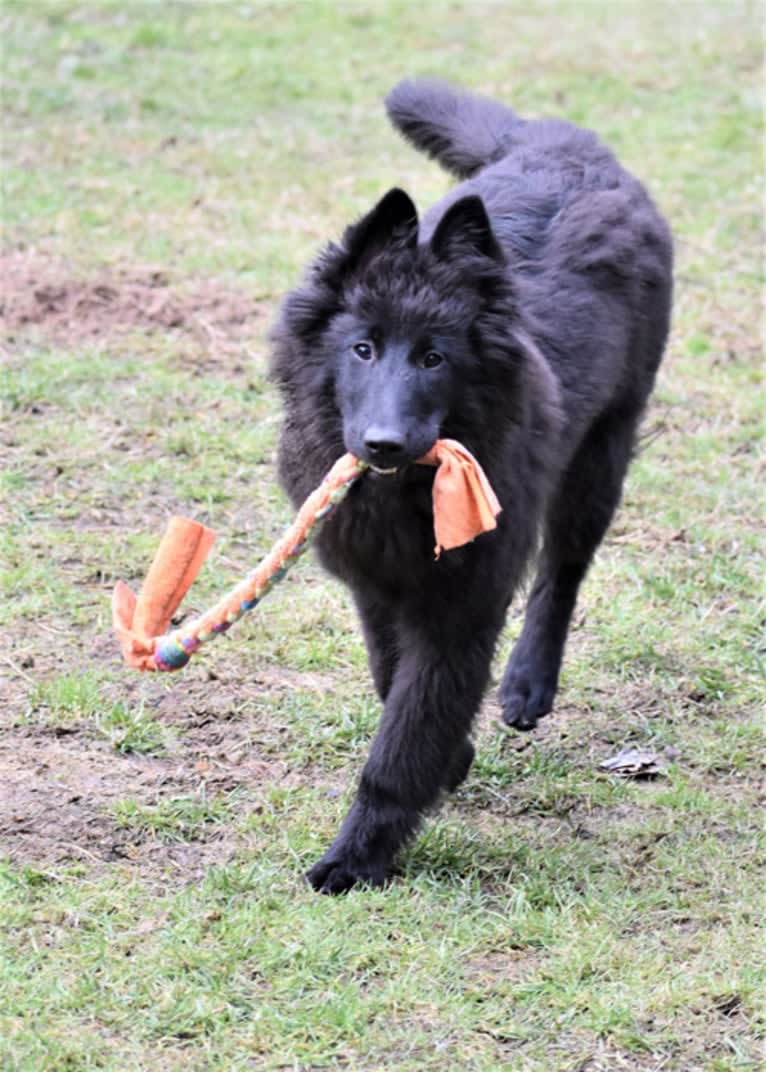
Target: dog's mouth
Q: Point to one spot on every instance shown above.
(392, 471)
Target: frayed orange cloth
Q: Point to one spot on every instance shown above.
(464, 503)
(464, 506)
(179, 558)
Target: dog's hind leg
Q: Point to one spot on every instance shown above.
(379, 627)
(577, 519)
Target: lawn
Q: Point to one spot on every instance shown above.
(168, 169)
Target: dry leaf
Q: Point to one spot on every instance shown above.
(636, 763)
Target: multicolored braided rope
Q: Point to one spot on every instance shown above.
(173, 651)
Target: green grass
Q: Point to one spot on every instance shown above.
(179, 818)
(550, 917)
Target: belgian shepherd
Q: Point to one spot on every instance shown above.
(524, 315)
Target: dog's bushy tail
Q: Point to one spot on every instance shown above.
(461, 130)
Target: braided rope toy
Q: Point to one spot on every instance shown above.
(464, 506)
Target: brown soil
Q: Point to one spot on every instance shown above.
(40, 293)
(58, 786)
(59, 782)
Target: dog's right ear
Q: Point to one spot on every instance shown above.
(393, 220)
(310, 307)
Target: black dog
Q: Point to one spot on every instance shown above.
(525, 316)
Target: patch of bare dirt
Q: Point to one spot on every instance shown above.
(609, 1058)
(494, 971)
(45, 294)
(58, 787)
(59, 783)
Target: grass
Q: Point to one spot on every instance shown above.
(551, 917)
(180, 818)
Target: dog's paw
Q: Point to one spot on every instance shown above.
(338, 873)
(524, 698)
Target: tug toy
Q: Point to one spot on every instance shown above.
(464, 506)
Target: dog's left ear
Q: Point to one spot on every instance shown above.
(465, 228)
(394, 219)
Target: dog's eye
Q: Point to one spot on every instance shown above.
(432, 359)
(363, 350)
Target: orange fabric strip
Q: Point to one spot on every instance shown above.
(464, 503)
(178, 560)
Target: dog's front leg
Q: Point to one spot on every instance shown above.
(421, 741)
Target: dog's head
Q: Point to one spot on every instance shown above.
(394, 330)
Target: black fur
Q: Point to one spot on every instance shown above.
(525, 316)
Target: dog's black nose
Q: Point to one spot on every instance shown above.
(384, 447)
